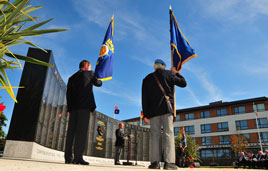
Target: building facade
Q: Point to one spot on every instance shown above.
(215, 127)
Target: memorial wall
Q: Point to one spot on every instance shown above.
(41, 115)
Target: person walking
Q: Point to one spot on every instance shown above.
(157, 105)
(80, 104)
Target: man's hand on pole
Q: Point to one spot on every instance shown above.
(146, 120)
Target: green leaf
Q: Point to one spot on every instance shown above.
(37, 25)
(7, 84)
(17, 10)
(29, 59)
(37, 32)
(32, 9)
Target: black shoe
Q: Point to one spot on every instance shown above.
(82, 162)
(68, 161)
(117, 163)
(154, 165)
(170, 166)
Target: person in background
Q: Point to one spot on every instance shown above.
(157, 105)
(260, 160)
(251, 160)
(266, 159)
(80, 104)
(181, 155)
(242, 160)
(119, 143)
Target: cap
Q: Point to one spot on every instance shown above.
(160, 61)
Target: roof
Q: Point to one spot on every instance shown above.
(217, 104)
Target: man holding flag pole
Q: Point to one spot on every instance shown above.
(80, 97)
(158, 97)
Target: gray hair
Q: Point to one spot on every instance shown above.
(159, 66)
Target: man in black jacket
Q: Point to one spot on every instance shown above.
(80, 104)
(181, 155)
(157, 106)
(242, 160)
(119, 143)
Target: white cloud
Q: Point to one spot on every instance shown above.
(126, 95)
(237, 11)
(214, 92)
(196, 100)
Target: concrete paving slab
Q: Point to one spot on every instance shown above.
(16, 164)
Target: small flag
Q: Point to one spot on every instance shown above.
(116, 110)
(104, 66)
(141, 115)
(181, 50)
(184, 144)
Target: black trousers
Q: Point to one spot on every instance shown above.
(77, 134)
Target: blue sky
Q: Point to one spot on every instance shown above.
(229, 37)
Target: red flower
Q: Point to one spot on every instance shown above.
(2, 107)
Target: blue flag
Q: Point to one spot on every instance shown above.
(104, 66)
(184, 145)
(181, 50)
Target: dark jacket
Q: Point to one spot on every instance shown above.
(180, 152)
(153, 99)
(79, 91)
(119, 138)
(260, 157)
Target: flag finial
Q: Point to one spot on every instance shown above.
(170, 7)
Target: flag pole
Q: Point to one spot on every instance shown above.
(172, 65)
(114, 111)
(257, 124)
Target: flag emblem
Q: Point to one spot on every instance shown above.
(104, 51)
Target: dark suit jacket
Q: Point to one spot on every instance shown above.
(119, 138)
(79, 91)
(259, 157)
(153, 99)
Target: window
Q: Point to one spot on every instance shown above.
(205, 128)
(178, 118)
(240, 109)
(206, 140)
(262, 123)
(176, 131)
(224, 139)
(264, 137)
(189, 129)
(259, 107)
(205, 114)
(189, 116)
(223, 126)
(241, 125)
(246, 136)
(221, 112)
(206, 153)
(223, 153)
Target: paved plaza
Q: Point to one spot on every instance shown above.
(12, 164)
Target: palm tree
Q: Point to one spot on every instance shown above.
(14, 27)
